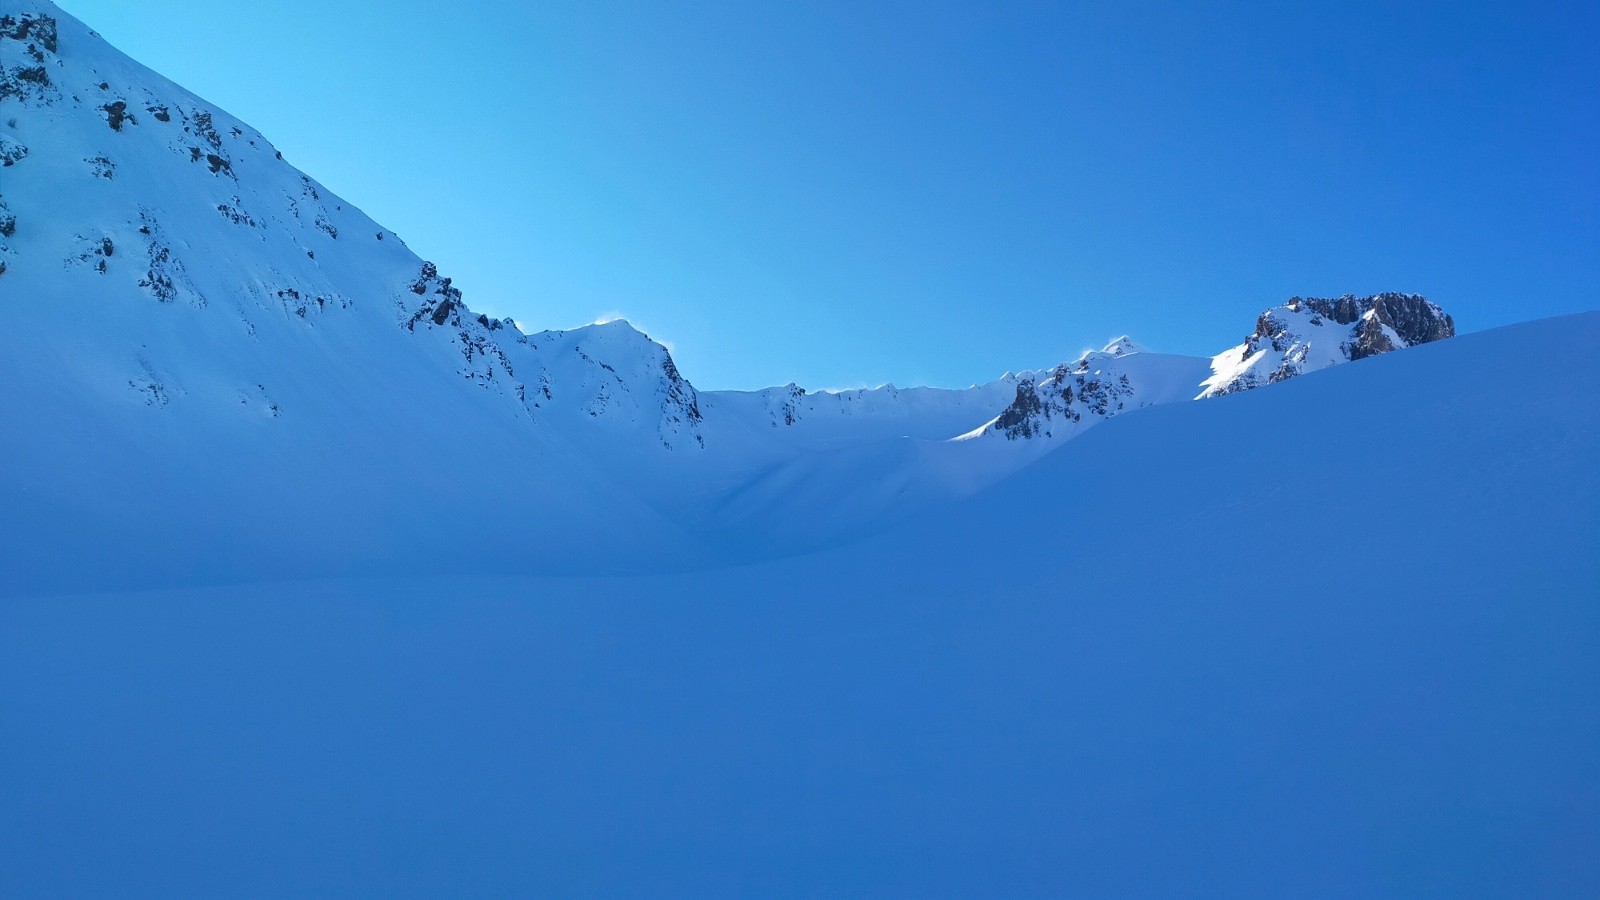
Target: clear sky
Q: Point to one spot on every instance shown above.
(846, 194)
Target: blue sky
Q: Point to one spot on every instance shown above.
(847, 194)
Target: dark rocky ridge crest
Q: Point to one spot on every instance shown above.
(1306, 334)
(1069, 393)
(1413, 317)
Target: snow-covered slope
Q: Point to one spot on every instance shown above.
(1353, 655)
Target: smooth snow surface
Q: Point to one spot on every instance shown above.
(1336, 638)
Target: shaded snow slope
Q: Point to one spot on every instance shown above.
(1337, 638)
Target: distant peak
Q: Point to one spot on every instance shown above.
(1124, 346)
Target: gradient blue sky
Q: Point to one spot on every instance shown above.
(846, 194)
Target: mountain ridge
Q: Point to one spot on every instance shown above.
(192, 298)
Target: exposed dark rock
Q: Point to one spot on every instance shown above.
(26, 83)
(1021, 418)
(679, 391)
(789, 408)
(1373, 325)
(1413, 317)
(441, 301)
(164, 278)
(30, 27)
(302, 303)
(1371, 339)
(1069, 393)
(235, 213)
(201, 126)
(117, 113)
(93, 253)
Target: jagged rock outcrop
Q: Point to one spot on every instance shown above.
(1307, 334)
(29, 42)
(1067, 394)
(1064, 400)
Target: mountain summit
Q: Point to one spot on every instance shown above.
(1304, 335)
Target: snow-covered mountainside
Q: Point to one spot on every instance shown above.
(1305, 335)
(212, 358)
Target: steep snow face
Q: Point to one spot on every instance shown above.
(175, 239)
(1305, 335)
(203, 266)
(614, 379)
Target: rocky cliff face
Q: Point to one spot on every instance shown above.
(1062, 401)
(1307, 334)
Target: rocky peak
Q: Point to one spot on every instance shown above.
(610, 377)
(1310, 333)
(1123, 346)
(1413, 317)
(1064, 396)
